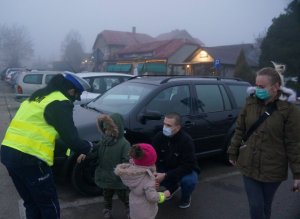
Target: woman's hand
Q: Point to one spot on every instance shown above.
(81, 158)
(233, 162)
(296, 185)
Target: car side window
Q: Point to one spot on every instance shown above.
(173, 99)
(102, 84)
(99, 85)
(239, 93)
(111, 82)
(33, 79)
(225, 98)
(209, 98)
(48, 78)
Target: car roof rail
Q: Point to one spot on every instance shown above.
(204, 77)
(170, 77)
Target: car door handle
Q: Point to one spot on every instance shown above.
(230, 117)
(188, 124)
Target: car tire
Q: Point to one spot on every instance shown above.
(83, 178)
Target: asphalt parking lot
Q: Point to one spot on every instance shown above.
(218, 195)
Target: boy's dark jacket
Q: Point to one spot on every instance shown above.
(175, 155)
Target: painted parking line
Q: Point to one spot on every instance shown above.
(64, 205)
(221, 176)
(88, 201)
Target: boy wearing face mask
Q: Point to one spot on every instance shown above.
(176, 159)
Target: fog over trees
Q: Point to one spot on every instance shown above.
(15, 46)
(72, 51)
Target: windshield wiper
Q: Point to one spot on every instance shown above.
(93, 108)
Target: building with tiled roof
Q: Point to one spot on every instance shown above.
(179, 34)
(228, 54)
(110, 42)
(166, 56)
(202, 61)
(176, 52)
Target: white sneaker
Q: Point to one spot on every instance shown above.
(107, 213)
(185, 202)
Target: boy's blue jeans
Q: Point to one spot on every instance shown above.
(260, 197)
(187, 184)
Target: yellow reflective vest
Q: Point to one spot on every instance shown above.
(29, 132)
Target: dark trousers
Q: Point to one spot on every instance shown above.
(109, 193)
(187, 184)
(260, 197)
(33, 180)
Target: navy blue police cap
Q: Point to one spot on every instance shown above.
(75, 82)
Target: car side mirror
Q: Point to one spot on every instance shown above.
(149, 115)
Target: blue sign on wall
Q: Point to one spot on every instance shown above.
(217, 63)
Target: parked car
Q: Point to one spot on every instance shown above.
(2, 74)
(5, 74)
(28, 82)
(208, 106)
(100, 82)
(14, 78)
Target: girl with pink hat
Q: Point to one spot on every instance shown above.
(139, 177)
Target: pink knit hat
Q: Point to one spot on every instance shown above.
(149, 157)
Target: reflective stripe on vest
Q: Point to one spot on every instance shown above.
(30, 133)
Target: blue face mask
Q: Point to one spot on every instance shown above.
(262, 94)
(167, 131)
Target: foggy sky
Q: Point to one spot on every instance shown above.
(214, 22)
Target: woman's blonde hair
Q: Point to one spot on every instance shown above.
(271, 73)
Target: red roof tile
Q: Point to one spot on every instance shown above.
(112, 37)
(159, 49)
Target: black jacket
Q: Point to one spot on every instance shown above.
(175, 155)
(59, 114)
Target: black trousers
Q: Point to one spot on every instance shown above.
(109, 193)
(34, 182)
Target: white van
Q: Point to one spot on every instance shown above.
(29, 82)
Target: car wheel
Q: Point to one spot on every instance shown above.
(83, 178)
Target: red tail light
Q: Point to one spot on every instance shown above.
(19, 89)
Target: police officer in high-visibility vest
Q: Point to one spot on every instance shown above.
(27, 150)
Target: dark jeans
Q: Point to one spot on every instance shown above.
(109, 193)
(34, 184)
(260, 197)
(187, 184)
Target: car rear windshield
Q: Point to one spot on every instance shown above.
(122, 98)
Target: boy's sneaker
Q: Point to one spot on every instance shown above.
(185, 202)
(171, 196)
(107, 213)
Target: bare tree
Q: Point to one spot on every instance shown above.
(258, 41)
(15, 46)
(72, 51)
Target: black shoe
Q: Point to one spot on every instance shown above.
(171, 196)
(185, 202)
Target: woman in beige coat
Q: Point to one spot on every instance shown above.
(139, 177)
